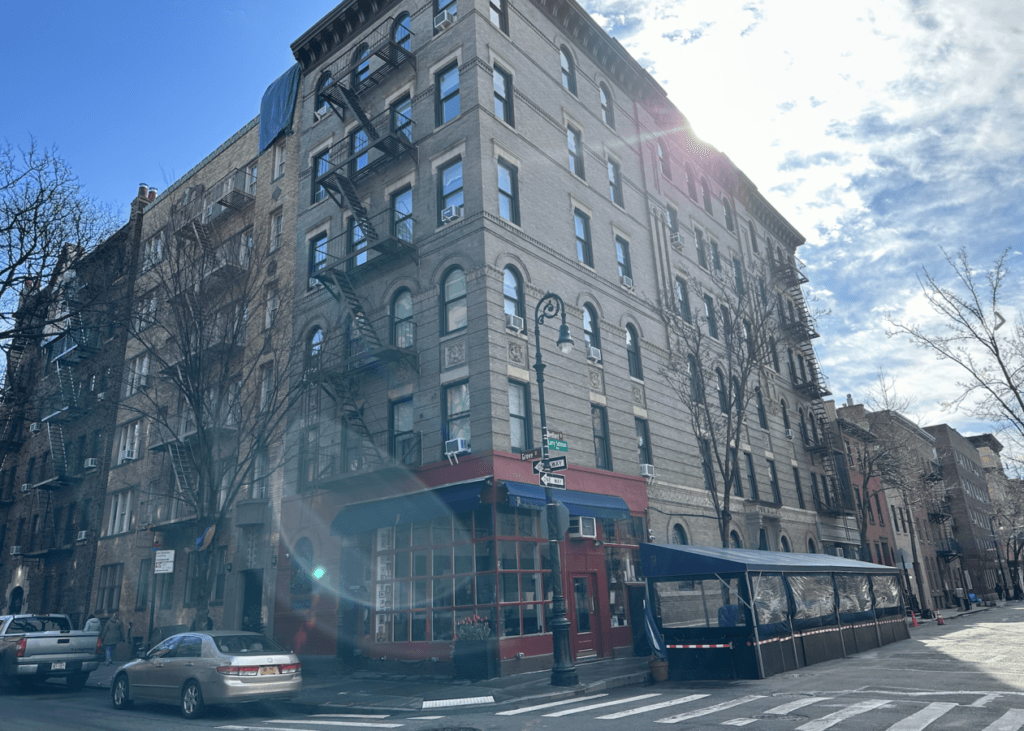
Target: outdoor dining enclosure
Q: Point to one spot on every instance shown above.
(809, 608)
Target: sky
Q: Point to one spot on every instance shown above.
(883, 130)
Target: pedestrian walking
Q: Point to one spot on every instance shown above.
(113, 634)
(93, 624)
(999, 591)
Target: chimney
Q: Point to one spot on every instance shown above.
(849, 399)
(143, 190)
(152, 194)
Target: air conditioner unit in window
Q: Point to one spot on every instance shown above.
(594, 354)
(443, 20)
(514, 322)
(35, 427)
(314, 283)
(675, 238)
(451, 213)
(627, 282)
(127, 455)
(789, 434)
(26, 487)
(580, 526)
(647, 470)
(456, 446)
(82, 534)
(15, 550)
(91, 463)
(101, 395)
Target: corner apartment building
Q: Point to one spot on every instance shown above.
(458, 161)
(56, 424)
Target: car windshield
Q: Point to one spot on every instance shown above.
(38, 624)
(245, 644)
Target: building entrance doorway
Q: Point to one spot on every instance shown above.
(583, 611)
(252, 600)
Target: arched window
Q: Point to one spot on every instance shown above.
(814, 430)
(453, 301)
(762, 540)
(785, 545)
(785, 415)
(803, 428)
(607, 111)
(591, 331)
(691, 182)
(696, 383)
(513, 293)
(403, 329)
(568, 70)
(361, 58)
(728, 214)
(762, 417)
(811, 548)
(314, 347)
(354, 342)
(735, 540)
(664, 163)
(774, 346)
(723, 394)
(302, 567)
(400, 32)
(636, 369)
(737, 394)
(679, 536)
(322, 107)
(705, 192)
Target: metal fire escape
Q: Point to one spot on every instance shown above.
(373, 244)
(12, 405)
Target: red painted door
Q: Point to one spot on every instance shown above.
(586, 627)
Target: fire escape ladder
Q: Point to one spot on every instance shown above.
(181, 464)
(58, 450)
(66, 383)
(345, 293)
(362, 216)
(44, 503)
(353, 102)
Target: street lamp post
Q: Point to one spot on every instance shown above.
(563, 673)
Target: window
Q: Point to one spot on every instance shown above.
(519, 416)
(804, 436)
(144, 314)
(404, 444)
(683, 299)
(361, 59)
(633, 353)
(729, 225)
(153, 251)
(314, 348)
(672, 219)
(447, 100)
(591, 333)
(709, 314)
(358, 246)
(751, 476)
(614, 182)
(276, 231)
(450, 191)
(454, 301)
(679, 536)
(737, 483)
(512, 292)
(881, 513)
(716, 260)
(723, 392)
(575, 142)
(568, 70)
(707, 465)
(138, 374)
(499, 15)
(643, 441)
(705, 192)
(773, 478)
(737, 273)
(317, 257)
(456, 412)
(691, 182)
(260, 487)
(400, 33)
(664, 163)
(584, 253)
(401, 118)
(266, 385)
(322, 107)
(602, 449)
(321, 165)
(503, 94)
(401, 215)
(273, 305)
(622, 257)
(702, 254)
(108, 596)
(508, 192)
(119, 515)
(607, 110)
(358, 147)
(785, 415)
(799, 489)
(726, 323)
(753, 236)
(762, 417)
(128, 441)
(696, 380)
(403, 329)
(279, 158)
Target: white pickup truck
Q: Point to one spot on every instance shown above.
(35, 647)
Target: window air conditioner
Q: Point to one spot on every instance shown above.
(675, 238)
(127, 455)
(314, 283)
(26, 487)
(91, 463)
(514, 322)
(647, 470)
(82, 534)
(101, 395)
(594, 354)
(443, 20)
(35, 427)
(456, 446)
(451, 213)
(789, 434)
(627, 282)
(15, 550)
(580, 526)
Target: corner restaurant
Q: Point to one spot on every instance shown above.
(401, 559)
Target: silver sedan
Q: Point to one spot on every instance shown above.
(199, 668)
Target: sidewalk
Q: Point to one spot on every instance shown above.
(372, 692)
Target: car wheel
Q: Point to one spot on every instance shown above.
(77, 681)
(119, 693)
(192, 700)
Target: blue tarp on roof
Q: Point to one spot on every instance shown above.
(665, 561)
(278, 107)
(417, 507)
(590, 504)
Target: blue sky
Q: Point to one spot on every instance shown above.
(881, 129)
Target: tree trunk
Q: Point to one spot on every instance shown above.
(923, 598)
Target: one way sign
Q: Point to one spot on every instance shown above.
(549, 480)
(554, 464)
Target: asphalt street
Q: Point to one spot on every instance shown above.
(967, 675)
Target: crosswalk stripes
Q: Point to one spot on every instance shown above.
(738, 721)
(1012, 720)
(842, 714)
(922, 718)
(358, 724)
(315, 722)
(710, 709)
(652, 707)
(786, 708)
(605, 704)
(527, 709)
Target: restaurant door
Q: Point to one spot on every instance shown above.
(586, 624)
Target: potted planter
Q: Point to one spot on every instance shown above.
(475, 652)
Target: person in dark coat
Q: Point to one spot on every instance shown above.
(999, 591)
(112, 635)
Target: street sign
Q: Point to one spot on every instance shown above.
(529, 454)
(549, 480)
(559, 445)
(552, 434)
(164, 563)
(553, 464)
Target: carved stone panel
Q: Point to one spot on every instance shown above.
(638, 396)
(596, 378)
(517, 353)
(454, 353)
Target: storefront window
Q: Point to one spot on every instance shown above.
(622, 564)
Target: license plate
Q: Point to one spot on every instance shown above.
(58, 665)
(268, 670)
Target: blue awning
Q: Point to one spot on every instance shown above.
(590, 504)
(671, 562)
(417, 507)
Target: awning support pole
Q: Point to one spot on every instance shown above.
(839, 621)
(757, 638)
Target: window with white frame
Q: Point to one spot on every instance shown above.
(266, 385)
(145, 313)
(128, 436)
(138, 373)
(119, 512)
(153, 251)
(278, 161)
(108, 595)
(276, 231)
(273, 305)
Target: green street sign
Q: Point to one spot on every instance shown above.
(559, 445)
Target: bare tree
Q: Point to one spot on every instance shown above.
(974, 335)
(211, 374)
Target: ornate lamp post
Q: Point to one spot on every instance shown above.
(564, 672)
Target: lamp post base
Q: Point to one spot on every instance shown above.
(564, 672)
